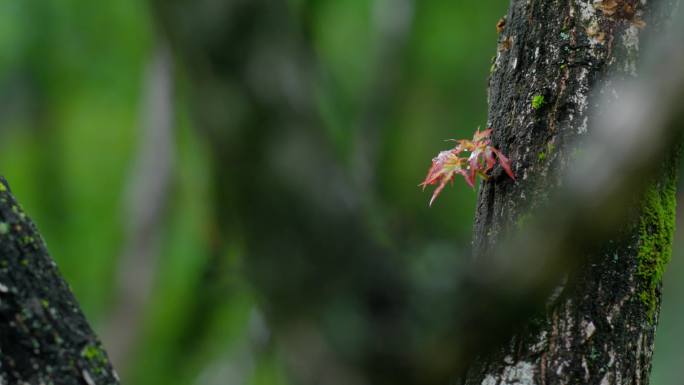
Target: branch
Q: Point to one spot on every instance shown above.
(44, 336)
(631, 139)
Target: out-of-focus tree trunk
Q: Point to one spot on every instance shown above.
(554, 59)
(147, 196)
(44, 337)
(279, 189)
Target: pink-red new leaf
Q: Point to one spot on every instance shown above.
(483, 157)
(504, 162)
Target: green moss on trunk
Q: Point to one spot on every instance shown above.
(656, 228)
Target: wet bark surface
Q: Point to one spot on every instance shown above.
(44, 336)
(554, 59)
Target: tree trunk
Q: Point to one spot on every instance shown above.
(554, 58)
(44, 337)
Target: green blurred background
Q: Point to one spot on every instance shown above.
(73, 123)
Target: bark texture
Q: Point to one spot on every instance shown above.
(44, 336)
(554, 58)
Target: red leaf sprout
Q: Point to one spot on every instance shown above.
(482, 158)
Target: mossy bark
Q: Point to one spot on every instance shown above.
(44, 336)
(599, 328)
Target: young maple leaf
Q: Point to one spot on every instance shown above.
(445, 166)
(504, 162)
(483, 157)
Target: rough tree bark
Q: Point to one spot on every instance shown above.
(44, 336)
(554, 58)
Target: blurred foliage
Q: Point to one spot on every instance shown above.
(71, 74)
